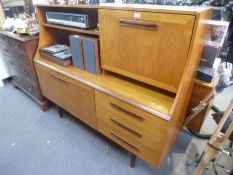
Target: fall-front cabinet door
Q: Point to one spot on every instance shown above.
(146, 46)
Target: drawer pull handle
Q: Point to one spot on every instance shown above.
(139, 24)
(64, 81)
(136, 116)
(54, 76)
(125, 141)
(132, 131)
(60, 79)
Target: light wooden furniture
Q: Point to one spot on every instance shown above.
(18, 53)
(200, 90)
(149, 54)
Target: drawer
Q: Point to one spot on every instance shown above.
(18, 45)
(131, 142)
(3, 39)
(19, 65)
(26, 85)
(26, 72)
(137, 134)
(131, 114)
(20, 57)
(4, 49)
(16, 56)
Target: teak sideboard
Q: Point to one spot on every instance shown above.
(149, 56)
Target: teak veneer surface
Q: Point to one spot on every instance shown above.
(152, 99)
(166, 107)
(135, 7)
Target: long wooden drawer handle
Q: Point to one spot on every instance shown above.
(136, 133)
(54, 76)
(136, 116)
(125, 141)
(64, 81)
(60, 79)
(139, 24)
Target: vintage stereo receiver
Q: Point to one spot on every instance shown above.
(70, 19)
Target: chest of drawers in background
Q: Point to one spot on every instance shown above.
(18, 52)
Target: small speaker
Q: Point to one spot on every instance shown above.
(91, 54)
(76, 51)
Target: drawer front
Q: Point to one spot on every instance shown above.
(26, 72)
(146, 46)
(18, 45)
(19, 63)
(3, 39)
(131, 114)
(128, 139)
(26, 85)
(21, 58)
(138, 135)
(4, 49)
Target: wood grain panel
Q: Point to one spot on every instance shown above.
(130, 113)
(132, 144)
(146, 55)
(79, 100)
(138, 134)
(50, 85)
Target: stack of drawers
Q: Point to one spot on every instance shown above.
(19, 53)
(132, 128)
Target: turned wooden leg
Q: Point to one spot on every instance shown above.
(133, 160)
(60, 111)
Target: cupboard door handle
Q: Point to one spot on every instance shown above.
(139, 24)
(132, 131)
(125, 141)
(136, 116)
(60, 79)
(64, 81)
(54, 76)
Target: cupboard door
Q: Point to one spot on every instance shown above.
(79, 100)
(50, 84)
(149, 47)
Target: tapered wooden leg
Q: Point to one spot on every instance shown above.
(133, 160)
(60, 111)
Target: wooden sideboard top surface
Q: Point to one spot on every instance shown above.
(150, 99)
(139, 7)
(23, 38)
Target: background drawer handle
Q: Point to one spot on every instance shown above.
(125, 141)
(132, 131)
(139, 24)
(136, 116)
